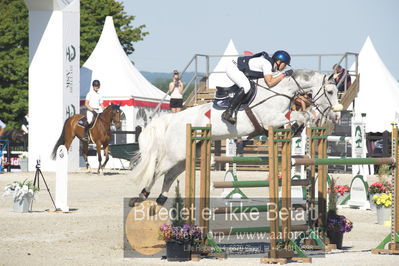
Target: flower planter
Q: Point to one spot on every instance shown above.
(336, 238)
(373, 206)
(178, 251)
(383, 214)
(23, 205)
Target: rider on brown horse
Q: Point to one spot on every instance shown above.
(94, 106)
(100, 133)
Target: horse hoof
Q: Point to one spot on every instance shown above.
(161, 200)
(134, 201)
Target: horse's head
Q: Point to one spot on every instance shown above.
(324, 94)
(116, 114)
(326, 101)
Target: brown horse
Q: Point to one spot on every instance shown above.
(15, 136)
(100, 133)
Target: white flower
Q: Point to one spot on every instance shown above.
(20, 192)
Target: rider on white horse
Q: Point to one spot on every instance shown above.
(260, 65)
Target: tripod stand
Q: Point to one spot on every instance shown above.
(37, 180)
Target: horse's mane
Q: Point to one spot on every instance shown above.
(305, 74)
(111, 107)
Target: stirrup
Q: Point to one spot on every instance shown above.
(230, 117)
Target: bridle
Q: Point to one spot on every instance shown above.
(116, 110)
(320, 93)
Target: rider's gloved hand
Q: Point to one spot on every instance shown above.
(288, 73)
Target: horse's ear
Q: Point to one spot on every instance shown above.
(331, 78)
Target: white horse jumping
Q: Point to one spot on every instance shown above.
(163, 146)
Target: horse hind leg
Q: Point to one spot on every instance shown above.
(171, 175)
(144, 193)
(169, 178)
(142, 197)
(106, 149)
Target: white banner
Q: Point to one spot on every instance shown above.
(71, 66)
(53, 77)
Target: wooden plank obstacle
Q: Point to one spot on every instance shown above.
(198, 138)
(393, 238)
(317, 138)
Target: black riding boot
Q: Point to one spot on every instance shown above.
(235, 102)
(86, 133)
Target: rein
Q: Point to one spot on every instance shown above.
(301, 91)
(268, 98)
(100, 116)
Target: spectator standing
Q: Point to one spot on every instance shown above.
(339, 74)
(176, 93)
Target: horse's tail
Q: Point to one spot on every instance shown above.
(60, 141)
(151, 149)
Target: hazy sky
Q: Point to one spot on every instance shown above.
(181, 28)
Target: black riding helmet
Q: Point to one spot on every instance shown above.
(95, 83)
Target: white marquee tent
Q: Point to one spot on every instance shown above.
(220, 79)
(121, 82)
(379, 91)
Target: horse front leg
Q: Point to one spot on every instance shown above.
(98, 147)
(85, 152)
(106, 149)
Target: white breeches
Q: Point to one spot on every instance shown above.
(238, 77)
(90, 115)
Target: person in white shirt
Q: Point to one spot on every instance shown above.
(94, 105)
(176, 93)
(3, 128)
(25, 124)
(256, 66)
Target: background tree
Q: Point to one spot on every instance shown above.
(14, 47)
(14, 62)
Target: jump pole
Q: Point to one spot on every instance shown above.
(189, 194)
(393, 238)
(194, 135)
(281, 137)
(198, 136)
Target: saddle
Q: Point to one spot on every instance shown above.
(83, 121)
(224, 95)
